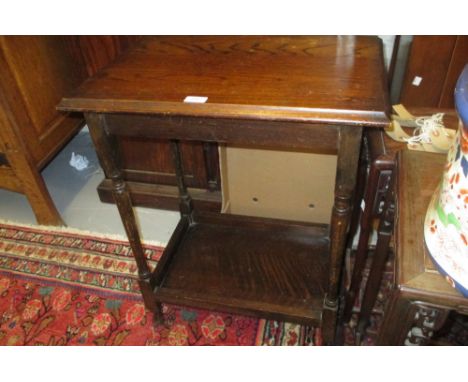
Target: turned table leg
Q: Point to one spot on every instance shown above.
(348, 157)
(107, 150)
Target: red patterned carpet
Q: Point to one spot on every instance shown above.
(67, 288)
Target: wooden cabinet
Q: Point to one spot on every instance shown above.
(35, 72)
(438, 61)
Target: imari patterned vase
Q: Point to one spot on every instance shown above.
(446, 223)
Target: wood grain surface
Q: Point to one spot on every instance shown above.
(307, 78)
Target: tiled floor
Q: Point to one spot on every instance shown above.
(75, 195)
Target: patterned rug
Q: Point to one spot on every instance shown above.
(61, 287)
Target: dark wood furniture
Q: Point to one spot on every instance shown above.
(379, 261)
(380, 163)
(421, 298)
(35, 72)
(151, 179)
(377, 213)
(95, 52)
(291, 92)
(438, 60)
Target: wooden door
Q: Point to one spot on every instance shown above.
(437, 61)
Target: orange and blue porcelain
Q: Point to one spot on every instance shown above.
(446, 223)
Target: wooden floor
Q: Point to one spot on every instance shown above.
(268, 269)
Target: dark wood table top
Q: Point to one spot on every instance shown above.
(334, 80)
(418, 176)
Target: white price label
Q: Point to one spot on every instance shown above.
(195, 99)
(417, 81)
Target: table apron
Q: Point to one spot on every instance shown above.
(292, 135)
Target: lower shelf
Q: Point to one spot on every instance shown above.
(246, 265)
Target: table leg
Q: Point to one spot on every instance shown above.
(348, 157)
(210, 150)
(107, 150)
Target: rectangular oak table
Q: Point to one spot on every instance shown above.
(296, 93)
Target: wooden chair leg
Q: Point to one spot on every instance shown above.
(385, 231)
(372, 286)
(353, 229)
(363, 242)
